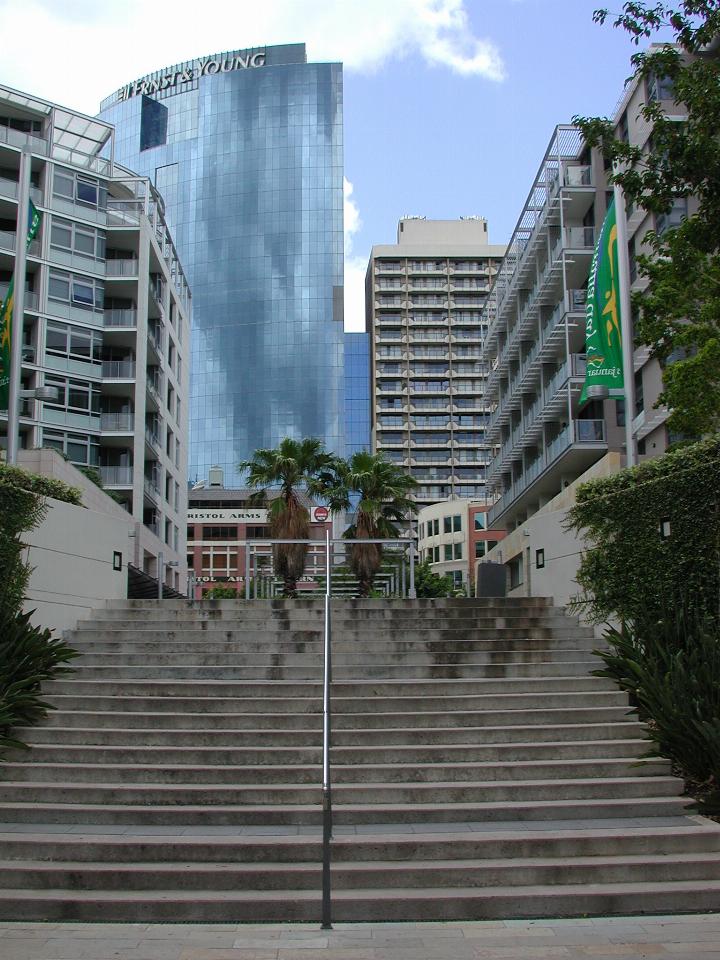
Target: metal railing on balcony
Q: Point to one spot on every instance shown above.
(124, 213)
(122, 268)
(122, 422)
(117, 476)
(120, 318)
(118, 369)
(579, 238)
(153, 439)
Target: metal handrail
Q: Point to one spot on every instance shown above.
(326, 786)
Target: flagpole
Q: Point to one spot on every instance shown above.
(625, 323)
(18, 313)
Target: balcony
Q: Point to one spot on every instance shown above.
(117, 476)
(117, 422)
(122, 268)
(120, 319)
(124, 213)
(118, 369)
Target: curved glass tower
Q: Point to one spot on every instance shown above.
(246, 150)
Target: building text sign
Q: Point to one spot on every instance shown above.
(203, 67)
(227, 516)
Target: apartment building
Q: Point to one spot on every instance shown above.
(453, 535)
(106, 319)
(424, 301)
(544, 442)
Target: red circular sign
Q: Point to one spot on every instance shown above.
(321, 513)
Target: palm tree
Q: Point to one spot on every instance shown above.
(294, 463)
(384, 490)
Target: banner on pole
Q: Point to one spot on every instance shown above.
(603, 337)
(6, 314)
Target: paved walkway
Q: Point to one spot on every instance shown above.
(617, 938)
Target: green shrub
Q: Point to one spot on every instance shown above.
(221, 593)
(429, 584)
(22, 508)
(671, 668)
(630, 570)
(28, 655)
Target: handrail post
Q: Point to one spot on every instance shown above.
(402, 577)
(247, 570)
(255, 575)
(412, 595)
(326, 789)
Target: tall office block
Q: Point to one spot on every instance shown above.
(424, 298)
(106, 318)
(246, 150)
(357, 393)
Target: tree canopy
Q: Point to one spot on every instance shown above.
(678, 313)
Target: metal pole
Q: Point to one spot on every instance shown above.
(412, 595)
(160, 573)
(402, 577)
(625, 323)
(18, 314)
(247, 570)
(255, 569)
(326, 788)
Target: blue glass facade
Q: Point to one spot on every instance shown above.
(246, 149)
(357, 392)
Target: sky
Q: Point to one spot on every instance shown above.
(448, 104)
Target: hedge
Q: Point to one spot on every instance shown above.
(22, 508)
(653, 537)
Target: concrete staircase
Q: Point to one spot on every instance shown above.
(479, 771)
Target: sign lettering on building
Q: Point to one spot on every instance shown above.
(204, 67)
(232, 516)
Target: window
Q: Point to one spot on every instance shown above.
(257, 533)
(632, 263)
(79, 188)
(436, 527)
(516, 571)
(457, 551)
(219, 533)
(153, 123)
(76, 289)
(76, 396)
(480, 521)
(447, 525)
(457, 523)
(74, 343)
(448, 551)
(436, 554)
(481, 548)
(672, 219)
(78, 448)
(77, 238)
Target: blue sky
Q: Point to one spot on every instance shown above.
(449, 104)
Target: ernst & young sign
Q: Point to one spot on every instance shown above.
(204, 67)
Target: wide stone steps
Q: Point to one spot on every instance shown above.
(641, 806)
(195, 772)
(356, 906)
(478, 769)
(41, 875)
(222, 747)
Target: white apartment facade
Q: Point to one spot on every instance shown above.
(424, 301)
(543, 441)
(106, 319)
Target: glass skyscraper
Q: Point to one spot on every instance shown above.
(357, 392)
(246, 150)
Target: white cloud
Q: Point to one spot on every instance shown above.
(76, 52)
(355, 266)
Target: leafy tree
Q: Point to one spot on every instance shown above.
(293, 464)
(678, 315)
(429, 584)
(384, 503)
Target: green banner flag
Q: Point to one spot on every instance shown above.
(603, 337)
(6, 314)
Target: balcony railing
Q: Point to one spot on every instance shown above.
(120, 318)
(118, 422)
(121, 268)
(124, 213)
(118, 369)
(117, 476)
